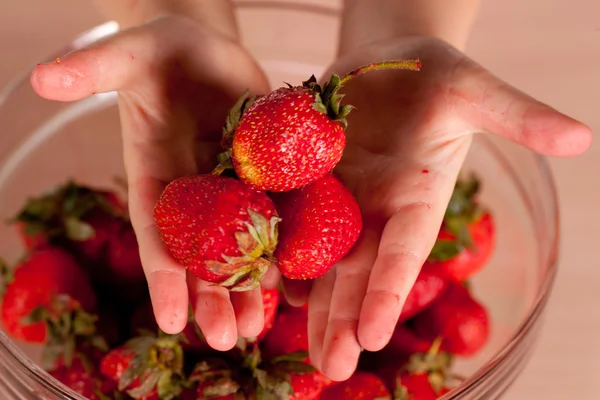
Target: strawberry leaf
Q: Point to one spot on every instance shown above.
(220, 388)
(444, 250)
(297, 356)
(38, 314)
(327, 99)
(134, 370)
(235, 116)
(296, 367)
(147, 383)
(400, 392)
(273, 386)
(168, 386)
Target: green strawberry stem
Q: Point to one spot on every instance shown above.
(413, 65)
(328, 100)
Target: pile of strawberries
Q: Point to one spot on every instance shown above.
(272, 202)
(93, 317)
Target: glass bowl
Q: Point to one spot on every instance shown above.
(45, 143)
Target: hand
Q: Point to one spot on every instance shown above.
(176, 80)
(407, 141)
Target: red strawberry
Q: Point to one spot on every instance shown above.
(77, 214)
(271, 299)
(221, 230)
(361, 386)
(123, 257)
(289, 333)
(427, 288)
(146, 367)
(83, 378)
(307, 384)
(286, 139)
(458, 318)
(293, 135)
(414, 387)
(423, 377)
(46, 287)
(320, 224)
(467, 237)
(288, 376)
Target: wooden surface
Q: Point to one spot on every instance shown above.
(548, 48)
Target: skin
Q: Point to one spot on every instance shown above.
(409, 122)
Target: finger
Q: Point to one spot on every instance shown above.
(341, 348)
(214, 314)
(319, 302)
(108, 65)
(493, 106)
(296, 291)
(249, 312)
(406, 240)
(271, 279)
(166, 278)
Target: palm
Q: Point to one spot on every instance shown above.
(176, 80)
(403, 133)
(407, 140)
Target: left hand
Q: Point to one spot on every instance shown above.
(407, 141)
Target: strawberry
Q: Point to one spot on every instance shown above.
(289, 333)
(361, 385)
(457, 317)
(291, 136)
(82, 374)
(467, 237)
(414, 387)
(320, 224)
(221, 230)
(71, 214)
(123, 257)
(283, 141)
(48, 301)
(147, 367)
(271, 298)
(288, 376)
(83, 378)
(427, 288)
(424, 376)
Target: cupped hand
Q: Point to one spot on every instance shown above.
(407, 140)
(176, 80)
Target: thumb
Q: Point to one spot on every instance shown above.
(491, 105)
(108, 65)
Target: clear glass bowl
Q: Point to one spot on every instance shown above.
(44, 143)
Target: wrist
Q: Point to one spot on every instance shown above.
(366, 22)
(218, 14)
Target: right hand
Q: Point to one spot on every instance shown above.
(176, 80)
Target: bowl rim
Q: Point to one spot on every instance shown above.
(479, 378)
